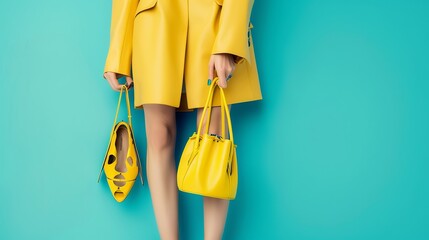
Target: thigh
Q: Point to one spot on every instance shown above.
(215, 121)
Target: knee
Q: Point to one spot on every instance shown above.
(160, 137)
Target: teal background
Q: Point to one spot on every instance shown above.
(337, 149)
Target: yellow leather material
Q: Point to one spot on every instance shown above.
(121, 34)
(121, 182)
(233, 25)
(143, 5)
(164, 44)
(208, 165)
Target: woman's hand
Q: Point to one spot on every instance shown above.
(113, 77)
(223, 66)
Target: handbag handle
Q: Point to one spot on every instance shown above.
(211, 94)
(224, 110)
(228, 116)
(119, 104)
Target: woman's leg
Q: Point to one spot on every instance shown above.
(215, 210)
(161, 169)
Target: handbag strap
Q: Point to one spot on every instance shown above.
(222, 110)
(228, 116)
(226, 110)
(207, 106)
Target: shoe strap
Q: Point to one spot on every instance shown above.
(121, 180)
(131, 130)
(128, 105)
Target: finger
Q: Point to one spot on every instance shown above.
(110, 80)
(222, 78)
(118, 86)
(129, 82)
(113, 81)
(229, 76)
(115, 84)
(231, 71)
(131, 85)
(211, 71)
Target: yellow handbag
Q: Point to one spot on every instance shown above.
(121, 162)
(208, 165)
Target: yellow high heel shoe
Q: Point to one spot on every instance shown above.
(122, 162)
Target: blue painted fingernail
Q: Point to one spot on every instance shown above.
(209, 82)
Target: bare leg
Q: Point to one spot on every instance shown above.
(215, 210)
(161, 169)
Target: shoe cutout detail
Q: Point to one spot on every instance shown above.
(112, 159)
(119, 183)
(119, 196)
(122, 162)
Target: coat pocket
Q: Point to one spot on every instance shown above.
(219, 2)
(145, 5)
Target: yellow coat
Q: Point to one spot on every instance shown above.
(164, 44)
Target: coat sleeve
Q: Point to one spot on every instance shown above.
(121, 35)
(234, 24)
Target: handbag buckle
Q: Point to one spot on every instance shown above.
(217, 137)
